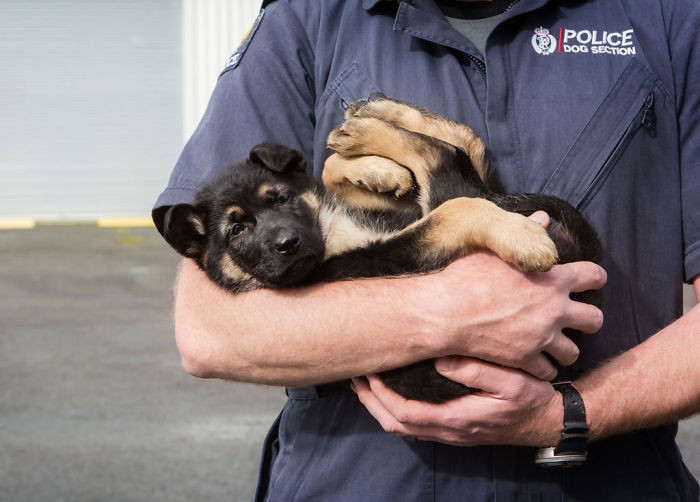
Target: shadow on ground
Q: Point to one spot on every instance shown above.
(94, 404)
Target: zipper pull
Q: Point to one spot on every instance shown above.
(648, 116)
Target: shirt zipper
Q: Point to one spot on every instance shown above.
(478, 62)
(510, 6)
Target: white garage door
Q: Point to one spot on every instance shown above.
(90, 106)
(98, 96)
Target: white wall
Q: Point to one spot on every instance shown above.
(211, 31)
(97, 98)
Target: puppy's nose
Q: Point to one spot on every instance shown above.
(287, 243)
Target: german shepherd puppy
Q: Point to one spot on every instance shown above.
(408, 192)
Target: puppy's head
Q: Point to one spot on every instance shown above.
(253, 225)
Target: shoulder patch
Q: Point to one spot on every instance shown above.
(235, 59)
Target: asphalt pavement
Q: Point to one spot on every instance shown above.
(94, 405)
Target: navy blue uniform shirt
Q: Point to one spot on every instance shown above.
(597, 102)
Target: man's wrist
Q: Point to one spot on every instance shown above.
(552, 422)
(445, 318)
(570, 449)
(593, 412)
(426, 301)
(575, 434)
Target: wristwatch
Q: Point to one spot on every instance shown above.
(571, 450)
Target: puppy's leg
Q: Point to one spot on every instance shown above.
(423, 155)
(370, 182)
(462, 225)
(452, 230)
(424, 121)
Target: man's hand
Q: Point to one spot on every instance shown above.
(516, 317)
(635, 390)
(513, 317)
(512, 407)
(519, 316)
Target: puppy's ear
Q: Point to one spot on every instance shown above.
(185, 230)
(277, 158)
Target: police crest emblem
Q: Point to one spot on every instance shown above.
(543, 42)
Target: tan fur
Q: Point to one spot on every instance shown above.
(262, 191)
(341, 233)
(385, 128)
(370, 136)
(376, 137)
(427, 122)
(312, 201)
(197, 224)
(370, 182)
(236, 211)
(470, 224)
(233, 271)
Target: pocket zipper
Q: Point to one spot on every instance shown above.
(645, 118)
(648, 112)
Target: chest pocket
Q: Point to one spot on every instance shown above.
(352, 84)
(627, 110)
(349, 86)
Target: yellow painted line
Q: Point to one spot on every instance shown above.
(17, 224)
(124, 222)
(28, 223)
(64, 223)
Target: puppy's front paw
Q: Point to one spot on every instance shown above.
(381, 175)
(354, 109)
(381, 107)
(351, 137)
(526, 245)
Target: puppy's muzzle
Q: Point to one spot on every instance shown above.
(287, 243)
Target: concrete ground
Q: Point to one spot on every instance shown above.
(94, 405)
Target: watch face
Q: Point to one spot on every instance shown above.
(545, 457)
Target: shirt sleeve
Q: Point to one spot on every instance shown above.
(683, 25)
(266, 97)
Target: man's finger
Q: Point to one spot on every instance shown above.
(583, 275)
(563, 349)
(412, 414)
(583, 317)
(368, 397)
(490, 378)
(379, 412)
(541, 218)
(540, 366)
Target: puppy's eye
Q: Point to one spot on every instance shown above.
(282, 198)
(237, 229)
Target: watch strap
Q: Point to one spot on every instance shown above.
(575, 434)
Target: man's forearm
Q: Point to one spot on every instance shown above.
(332, 331)
(655, 383)
(297, 336)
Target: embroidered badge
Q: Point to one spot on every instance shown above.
(589, 41)
(543, 42)
(235, 59)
